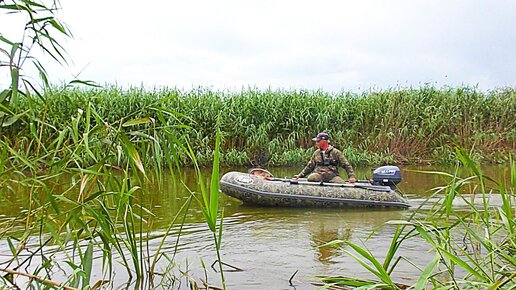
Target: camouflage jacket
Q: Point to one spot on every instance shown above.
(327, 164)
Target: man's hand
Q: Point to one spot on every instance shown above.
(297, 176)
(352, 180)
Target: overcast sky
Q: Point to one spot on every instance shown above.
(331, 45)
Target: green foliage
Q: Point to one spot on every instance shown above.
(107, 163)
(266, 127)
(474, 248)
(107, 173)
(40, 32)
(107, 160)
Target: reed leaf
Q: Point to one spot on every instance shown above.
(133, 153)
(214, 188)
(138, 121)
(378, 269)
(458, 261)
(87, 265)
(158, 254)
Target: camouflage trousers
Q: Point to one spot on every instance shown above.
(317, 177)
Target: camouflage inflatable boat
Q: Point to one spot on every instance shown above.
(269, 191)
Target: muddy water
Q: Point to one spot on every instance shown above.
(269, 245)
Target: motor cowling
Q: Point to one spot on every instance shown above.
(387, 175)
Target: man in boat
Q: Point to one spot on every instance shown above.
(324, 163)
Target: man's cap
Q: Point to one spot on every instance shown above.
(321, 136)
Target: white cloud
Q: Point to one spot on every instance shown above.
(332, 45)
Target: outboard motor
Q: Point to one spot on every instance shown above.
(387, 175)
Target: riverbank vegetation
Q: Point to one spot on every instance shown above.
(275, 127)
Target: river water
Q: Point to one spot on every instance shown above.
(269, 245)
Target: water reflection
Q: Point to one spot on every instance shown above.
(322, 232)
(326, 226)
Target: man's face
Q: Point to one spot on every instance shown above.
(322, 144)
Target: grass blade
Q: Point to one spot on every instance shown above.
(214, 188)
(378, 270)
(133, 153)
(87, 264)
(425, 276)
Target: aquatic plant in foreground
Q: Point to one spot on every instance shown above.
(83, 172)
(473, 248)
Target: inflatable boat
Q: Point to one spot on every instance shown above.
(259, 187)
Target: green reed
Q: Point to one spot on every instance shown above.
(108, 164)
(473, 248)
(269, 127)
(209, 201)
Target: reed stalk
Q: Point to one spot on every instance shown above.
(209, 202)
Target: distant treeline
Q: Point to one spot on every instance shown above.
(275, 127)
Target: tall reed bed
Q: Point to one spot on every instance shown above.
(275, 127)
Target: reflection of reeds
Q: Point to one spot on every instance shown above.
(272, 125)
(474, 248)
